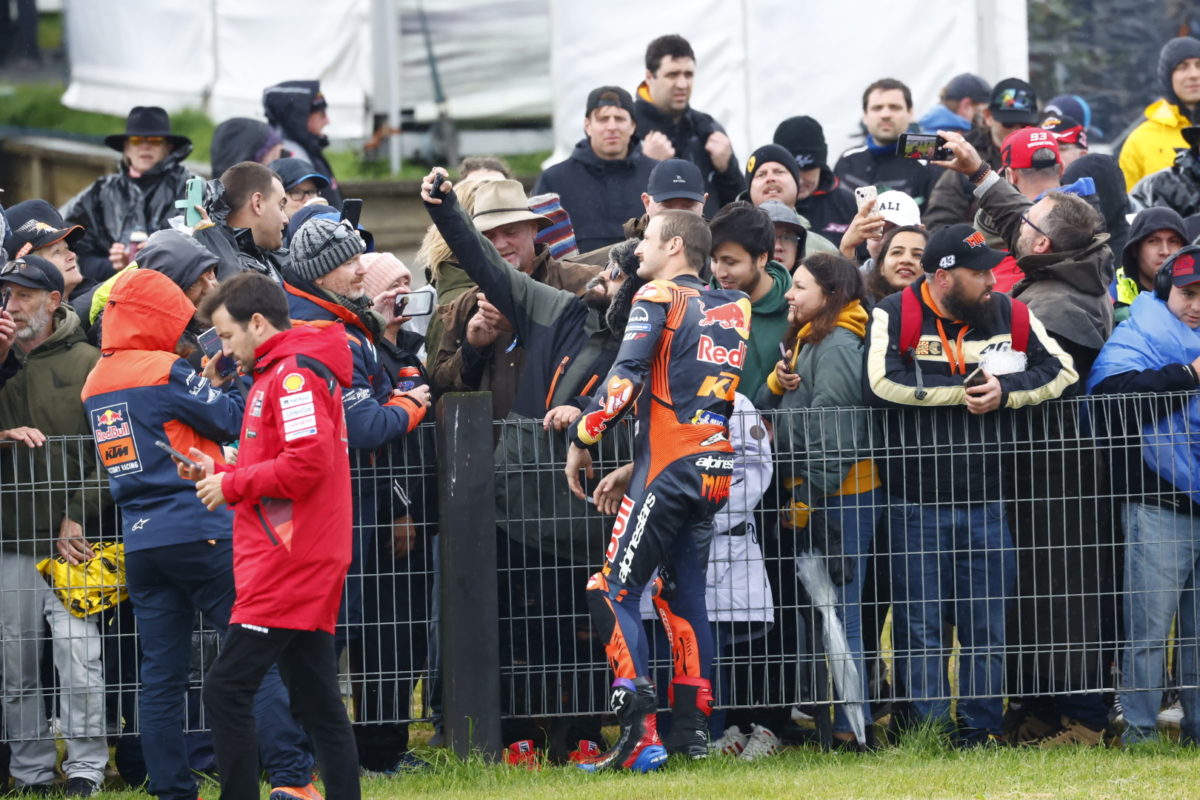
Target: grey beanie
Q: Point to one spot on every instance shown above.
(319, 248)
(1172, 54)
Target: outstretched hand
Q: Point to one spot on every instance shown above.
(430, 181)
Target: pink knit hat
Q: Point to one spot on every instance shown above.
(382, 270)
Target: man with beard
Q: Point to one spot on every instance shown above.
(41, 400)
(943, 343)
(1058, 666)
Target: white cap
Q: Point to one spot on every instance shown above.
(898, 208)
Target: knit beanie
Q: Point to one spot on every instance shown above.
(805, 139)
(1173, 52)
(768, 153)
(321, 246)
(382, 271)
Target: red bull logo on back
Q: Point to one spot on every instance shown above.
(735, 315)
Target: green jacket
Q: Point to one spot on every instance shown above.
(768, 324)
(38, 486)
(835, 435)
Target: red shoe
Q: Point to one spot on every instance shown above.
(523, 754)
(308, 792)
(586, 751)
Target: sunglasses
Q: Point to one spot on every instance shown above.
(614, 272)
(154, 141)
(17, 267)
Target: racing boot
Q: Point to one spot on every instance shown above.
(638, 747)
(691, 704)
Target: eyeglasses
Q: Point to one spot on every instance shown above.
(153, 141)
(1029, 222)
(300, 194)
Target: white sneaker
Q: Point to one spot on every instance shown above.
(1171, 716)
(762, 742)
(732, 741)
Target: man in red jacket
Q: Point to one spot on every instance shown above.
(290, 492)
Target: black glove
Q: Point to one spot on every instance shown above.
(824, 534)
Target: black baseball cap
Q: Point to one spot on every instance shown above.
(33, 272)
(1014, 102)
(292, 171)
(609, 96)
(968, 85)
(959, 246)
(675, 178)
(34, 234)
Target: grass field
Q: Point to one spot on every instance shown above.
(920, 767)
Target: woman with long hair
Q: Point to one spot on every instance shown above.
(899, 262)
(822, 436)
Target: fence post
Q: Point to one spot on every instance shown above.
(469, 626)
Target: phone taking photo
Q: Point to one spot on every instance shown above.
(926, 146)
(865, 196)
(413, 304)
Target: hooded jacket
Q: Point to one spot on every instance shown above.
(689, 135)
(287, 106)
(940, 118)
(600, 194)
(235, 247)
(1127, 285)
(1152, 352)
(1177, 187)
(237, 140)
(290, 490)
(140, 392)
(115, 206)
(39, 486)
(1067, 291)
(768, 324)
(1110, 192)
(1152, 145)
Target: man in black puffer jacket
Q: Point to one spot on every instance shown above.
(139, 198)
(296, 110)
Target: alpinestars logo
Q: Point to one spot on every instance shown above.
(636, 538)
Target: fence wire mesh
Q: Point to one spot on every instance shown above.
(886, 559)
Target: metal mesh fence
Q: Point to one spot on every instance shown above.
(914, 559)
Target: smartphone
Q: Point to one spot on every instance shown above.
(439, 178)
(171, 451)
(976, 378)
(193, 196)
(865, 196)
(413, 304)
(4, 295)
(927, 146)
(210, 343)
(352, 211)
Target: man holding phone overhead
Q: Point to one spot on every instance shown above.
(945, 342)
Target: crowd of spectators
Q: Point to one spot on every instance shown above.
(1016, 270)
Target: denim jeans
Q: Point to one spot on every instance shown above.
(857, 515)
(955, 559)
(166, 586)
(1161, 553)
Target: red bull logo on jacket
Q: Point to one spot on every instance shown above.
(115, 443)
(735, 315)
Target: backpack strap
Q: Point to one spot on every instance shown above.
(1020, 326)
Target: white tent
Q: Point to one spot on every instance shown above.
(759, 61)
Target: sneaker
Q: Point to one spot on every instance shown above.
(1072, 732)
(522, 754)
(81, 787)
(586, 750)
(1025, 727)
(732, 741)
(309, 792)
(761, 742)
(1171, 716)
